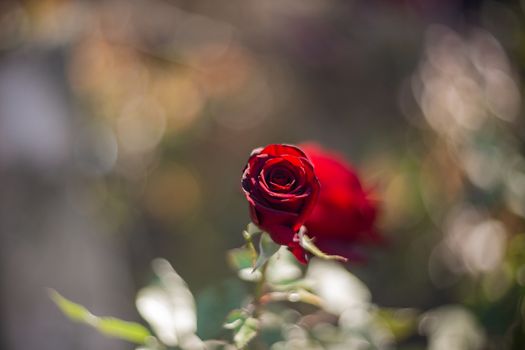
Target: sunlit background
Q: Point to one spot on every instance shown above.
(125, 125)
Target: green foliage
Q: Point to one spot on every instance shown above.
(168, 306)
(401, 322)
(240, 258)
(246, 332)
(74, 311)
(133, 332)
(110, 326)
(214, 303)
(289, 306)
(267, 248)
(252, 229)
(244, 327)
(235, 318)
(248, 234)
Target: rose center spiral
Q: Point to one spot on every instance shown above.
(282, 178)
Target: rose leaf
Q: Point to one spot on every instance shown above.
(246, 332)
(267, 248)
(110, 326)
(244, 327)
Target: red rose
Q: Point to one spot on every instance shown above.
(343, 217)
(282, 188)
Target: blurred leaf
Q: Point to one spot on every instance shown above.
(168, 307)
(74, 311)
(246, 332)
(235, 319)
(240, 258)
(308, 244)
(401, 322)
(152, 343)
(283, 269)
(252, 229)
(215, 302)
(244, 327)
(131, 331)
(250, 246)
(267, 248)
(250, 275)
(339, 289)
(218, 345)
(516, 250)
(110, 326)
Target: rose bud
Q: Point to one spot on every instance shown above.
(282, 188)
(343, 217)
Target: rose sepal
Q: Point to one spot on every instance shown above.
(251, 231)
(267, 248)
(307, 244)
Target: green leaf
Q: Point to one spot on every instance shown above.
(110, 326)
(308, 244)
(240, 258)
(244, 327)
(215, 302)
(246, 332)
(401, 322)
(252, 229)
(130, 331)
(283, 269)
(250, 246)
(72, 310)
(168, 306)
(235, 319)
(267, 248)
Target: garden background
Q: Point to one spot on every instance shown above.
(125, 125)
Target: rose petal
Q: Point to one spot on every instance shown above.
(344, 209)
(280, 208)
(280, 150)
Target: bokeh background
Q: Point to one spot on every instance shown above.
(125, 125)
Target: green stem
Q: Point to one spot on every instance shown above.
(258, 305)
(259, 289)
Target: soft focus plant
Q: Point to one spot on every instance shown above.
(311, 215)
(289, 305)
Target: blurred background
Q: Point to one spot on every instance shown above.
(125, 125)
